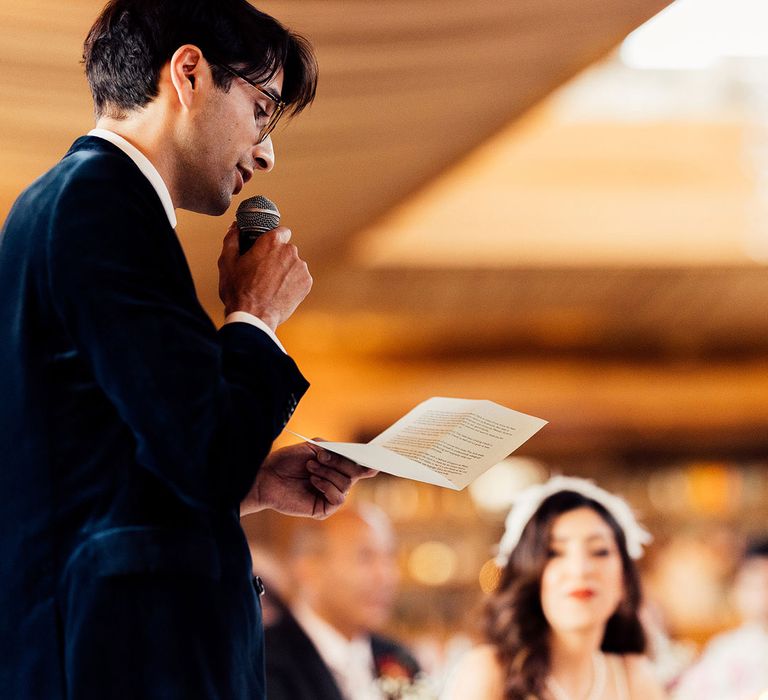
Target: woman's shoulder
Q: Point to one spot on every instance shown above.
(641, 680)
(477, 675)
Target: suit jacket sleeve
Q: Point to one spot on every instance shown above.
(203, 406)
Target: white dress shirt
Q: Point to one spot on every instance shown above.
(150, 172)
(350, 661)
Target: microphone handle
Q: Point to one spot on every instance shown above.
(248, 238)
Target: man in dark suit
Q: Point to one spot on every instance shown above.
(326, 647)
(132, 432)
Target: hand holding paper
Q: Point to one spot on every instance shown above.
(446, 442)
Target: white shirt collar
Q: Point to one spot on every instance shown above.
(340, 654)
(142, 163)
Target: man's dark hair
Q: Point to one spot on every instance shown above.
(133, 39)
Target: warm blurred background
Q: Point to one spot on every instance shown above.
(525, 201)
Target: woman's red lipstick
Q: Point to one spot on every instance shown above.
(582, 594)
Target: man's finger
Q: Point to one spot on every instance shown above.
(351, 469)
(282, 234)
(231, 239)
(341, 481)
(342, 464)
(331, 494)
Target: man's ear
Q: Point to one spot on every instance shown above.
(187, 68)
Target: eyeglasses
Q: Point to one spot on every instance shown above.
(266, 119)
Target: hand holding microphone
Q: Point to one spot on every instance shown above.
(260, 271)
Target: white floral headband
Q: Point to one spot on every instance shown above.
(528, 501)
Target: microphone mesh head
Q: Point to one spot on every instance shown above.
(257, 214)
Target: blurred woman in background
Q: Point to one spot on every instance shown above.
(563, 622)
(734, 664)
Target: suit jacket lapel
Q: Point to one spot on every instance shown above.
(314, 668)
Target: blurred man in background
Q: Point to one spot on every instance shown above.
(327, 648)
(734, 665)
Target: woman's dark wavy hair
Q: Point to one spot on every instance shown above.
(514, 619)
(133, 39)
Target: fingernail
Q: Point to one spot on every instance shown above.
(324, 457)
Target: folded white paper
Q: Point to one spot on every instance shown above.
(446, 442)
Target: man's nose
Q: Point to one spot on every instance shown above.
(264, 155)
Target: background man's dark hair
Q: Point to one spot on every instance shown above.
(133, 39)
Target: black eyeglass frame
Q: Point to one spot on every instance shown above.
(267, 129)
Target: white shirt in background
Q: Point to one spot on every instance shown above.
(350, 661)
(733, 666)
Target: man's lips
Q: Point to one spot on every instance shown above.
(582, 594)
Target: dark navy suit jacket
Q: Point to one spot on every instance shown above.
(130, 429)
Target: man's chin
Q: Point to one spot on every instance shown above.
(215, 207)
(376, 618)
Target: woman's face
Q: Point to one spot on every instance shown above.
(582, 583)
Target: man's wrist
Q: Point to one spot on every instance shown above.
(249, 506)
(252, 502)
(253, 320)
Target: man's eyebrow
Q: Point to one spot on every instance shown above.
(274, 94)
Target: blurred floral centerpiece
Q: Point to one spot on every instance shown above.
(396, 681)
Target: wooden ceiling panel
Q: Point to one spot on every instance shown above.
(406, 89)
(409, 87)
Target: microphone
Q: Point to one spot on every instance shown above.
(255, 216)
